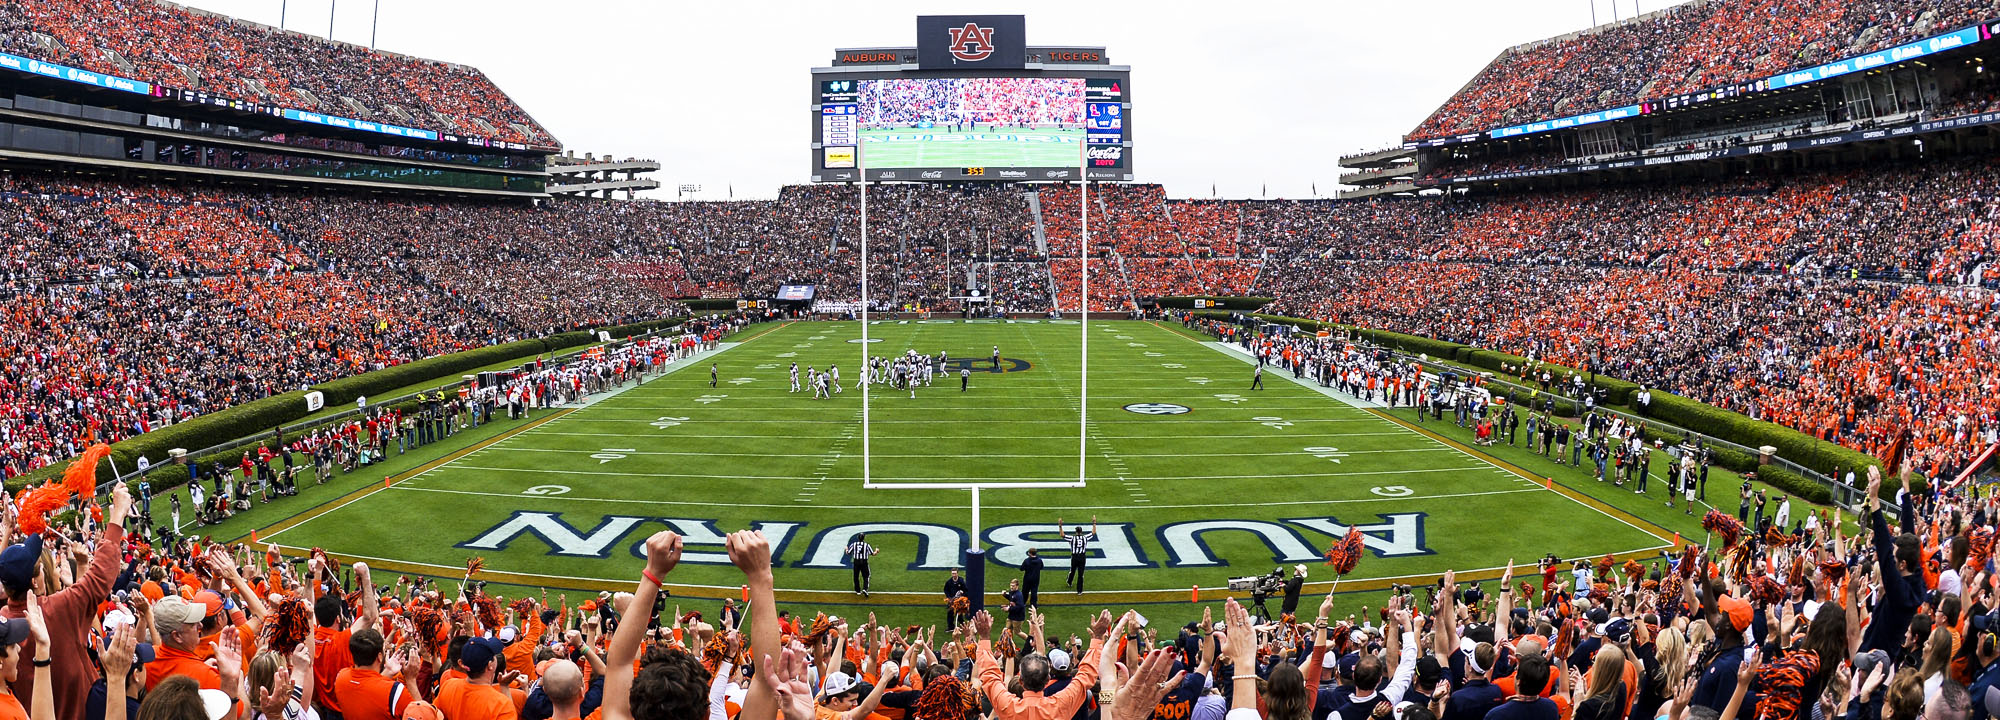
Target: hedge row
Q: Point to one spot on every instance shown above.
(1819, 455)
(346, 390)
(262, 416)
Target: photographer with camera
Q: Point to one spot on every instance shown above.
(1293, 585)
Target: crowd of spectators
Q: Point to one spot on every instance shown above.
(1782, 272)
(1685, 48)
(167, 44)
(1778, 615)
(962, 102)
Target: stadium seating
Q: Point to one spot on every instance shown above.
(1764, 294)
(171, 45)
(1684, 48)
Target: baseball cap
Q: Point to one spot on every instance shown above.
(173, 611)
(1059, 659)
(1738, 611)
(215, 704)
(420, 710)
(17, 562)
(1618, 630)
(506, 634)
(1347, 663)
(478, 652)
(210, 601)
(14, 631)
(837, 684)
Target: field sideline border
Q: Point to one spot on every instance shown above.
(1090, 599)
(301, 517)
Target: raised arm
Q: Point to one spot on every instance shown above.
(1399, 641)
(371, 614)
(751, 553)
(663, 551)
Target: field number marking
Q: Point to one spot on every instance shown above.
(1273, 422)
(667, 421)
(1325, 453)
(609, 454)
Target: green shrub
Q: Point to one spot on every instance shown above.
(260, 417)
(624, 331)
(1806, 450)
(1791, 483)
(562, 341)
(440, 368)
(1739, 462)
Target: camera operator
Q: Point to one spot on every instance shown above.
(1292, 586)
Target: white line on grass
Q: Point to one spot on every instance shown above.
(960, 479)
(740, 436)
(1308, 385)
(1108, 454)
(961, 506)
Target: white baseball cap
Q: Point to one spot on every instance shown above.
(837, 683)
(1059, 659)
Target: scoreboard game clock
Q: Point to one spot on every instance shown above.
(972, 101)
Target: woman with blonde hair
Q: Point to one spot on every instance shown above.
(1670, 666)
(1605, 697)
(279, 690)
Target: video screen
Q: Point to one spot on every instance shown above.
(971, 122)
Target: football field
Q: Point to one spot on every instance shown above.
(976, 147)
(1192, 477)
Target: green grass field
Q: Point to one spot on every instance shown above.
(1241, 481)
(941, 148)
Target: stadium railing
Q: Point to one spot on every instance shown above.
(228, 451)
(1785, 473)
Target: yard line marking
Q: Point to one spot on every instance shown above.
(657, 436)
(939, 479)
(1620, 515)
(959, 505)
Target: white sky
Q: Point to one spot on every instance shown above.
(1236, 95)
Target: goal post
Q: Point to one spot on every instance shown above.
(974, 559)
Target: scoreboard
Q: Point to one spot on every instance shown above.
(972, 101)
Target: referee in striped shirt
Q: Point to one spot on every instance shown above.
(1079, 551)
(859, 551)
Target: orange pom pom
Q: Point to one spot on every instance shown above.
(81, 475)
